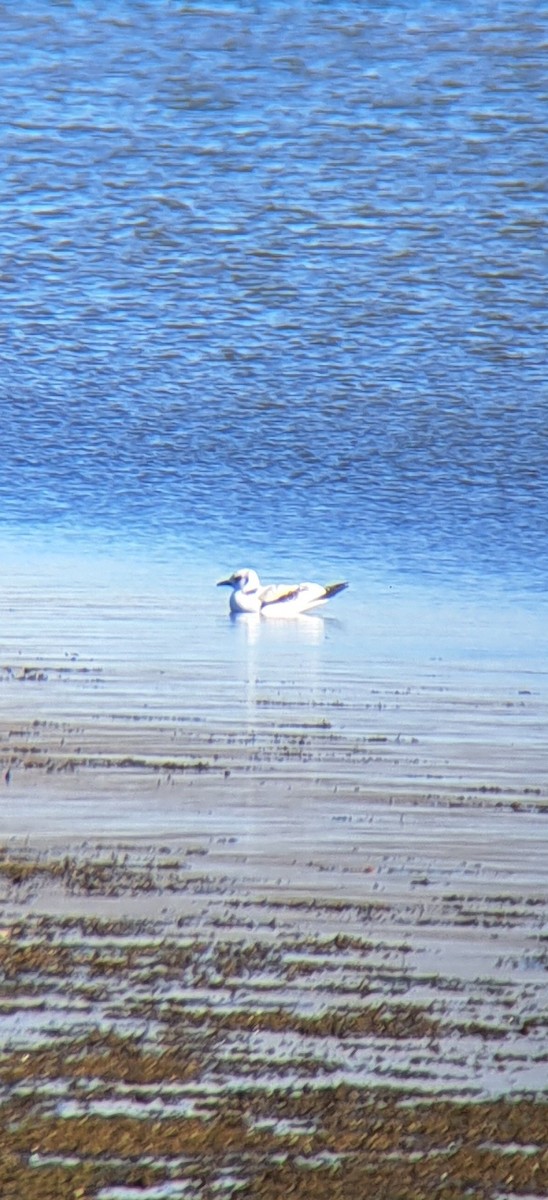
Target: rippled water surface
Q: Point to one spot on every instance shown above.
(272, 296)
(271, 280)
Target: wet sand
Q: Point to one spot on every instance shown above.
(299, 951)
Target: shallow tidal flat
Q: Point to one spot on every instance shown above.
(296, 950)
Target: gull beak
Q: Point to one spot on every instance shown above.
(225, 583)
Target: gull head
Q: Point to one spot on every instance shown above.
(243, 580)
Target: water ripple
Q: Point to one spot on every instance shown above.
(278, 276)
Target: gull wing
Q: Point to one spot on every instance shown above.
(276, 593)
(300, 595)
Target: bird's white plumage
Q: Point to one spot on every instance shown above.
(276, 599)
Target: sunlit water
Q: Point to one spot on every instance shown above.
(160, 632)
(273, 296)
(272, 283)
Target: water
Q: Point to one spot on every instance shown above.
(272, 296)
(272, 285)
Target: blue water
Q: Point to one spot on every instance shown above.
(271, 280)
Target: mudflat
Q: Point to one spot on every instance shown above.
(298, 951)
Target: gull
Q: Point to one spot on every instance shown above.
(277, 599)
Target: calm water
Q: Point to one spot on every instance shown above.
(271, 281)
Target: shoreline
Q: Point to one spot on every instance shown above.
(284, 935)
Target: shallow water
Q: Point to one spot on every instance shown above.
(117, 668)
(244, 862)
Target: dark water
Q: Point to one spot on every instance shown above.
(271, 279)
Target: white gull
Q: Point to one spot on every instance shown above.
(276, 599)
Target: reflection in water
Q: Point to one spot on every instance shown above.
(316, 703)
(270, 641)
(306, 627)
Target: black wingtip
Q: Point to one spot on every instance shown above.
(333, 588)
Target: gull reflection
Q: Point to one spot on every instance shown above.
(281, 658)
(305, 628)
